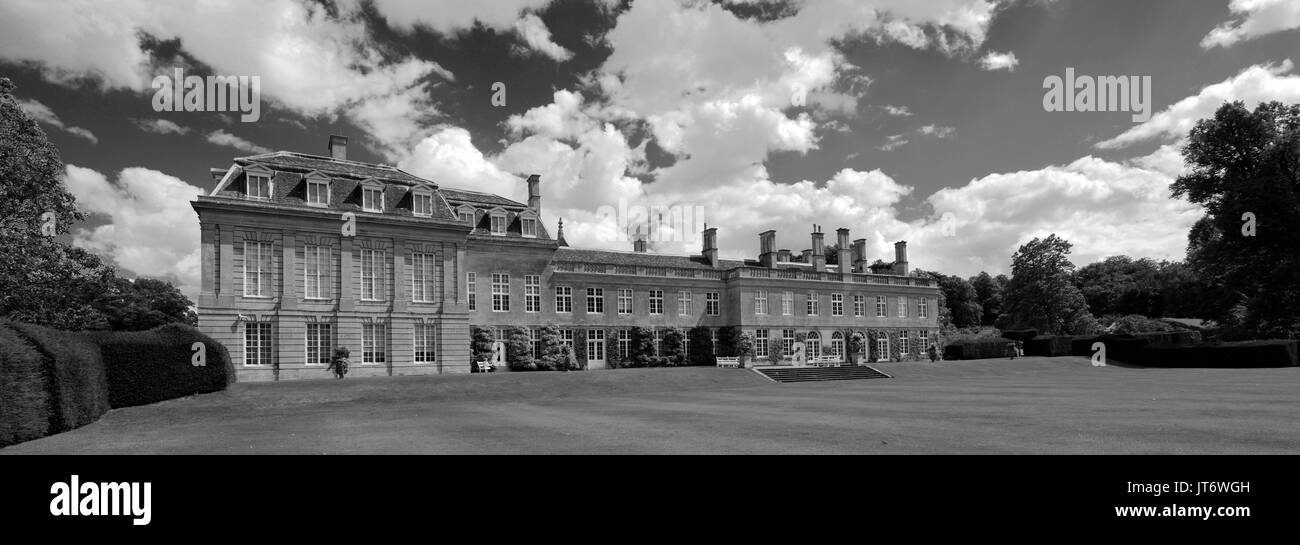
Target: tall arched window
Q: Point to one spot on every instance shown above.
(812, 344)
(837, 345)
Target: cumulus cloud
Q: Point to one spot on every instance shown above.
(222, 138)
(152, 230)
(1252, 19)
(1261, 82)
(897, 111)
(1103, 207)
(309, 61)
(999, 61)
(44, 114)
(534, 32)
(160, 126)
(894, 141)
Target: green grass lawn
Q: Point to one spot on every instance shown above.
(1030, 405)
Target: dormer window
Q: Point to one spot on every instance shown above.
(422, 204)
(499, 223)
(259, 187)
(529, 227)
(466, 213)
(467, 217)
(318, 192)
(372, 199)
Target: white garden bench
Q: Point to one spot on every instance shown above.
(825, 361)
(733, 363)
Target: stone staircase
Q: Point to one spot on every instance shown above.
(816, 374)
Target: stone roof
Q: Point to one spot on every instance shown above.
(458, 196)
(302, 162)
(643, 259)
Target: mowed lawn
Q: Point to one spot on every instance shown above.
(1030, 405)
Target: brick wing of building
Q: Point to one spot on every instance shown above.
(304, 253)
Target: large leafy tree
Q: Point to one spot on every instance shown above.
(1245, 164)
(1042, 294)
(43, 279)
(961, 299)
(1121, 285)
(988, 293)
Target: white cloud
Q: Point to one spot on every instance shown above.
(533, 31)
(897, 111)
(160, 126)
(1104, 208)
(152, 230)
(894, 142)
(309, 62)
(448, 16)
(999, 61)
(222, 138)
(1253, 85)
(936, 131)
(44, 114)
(1252, 19)
(449, 157)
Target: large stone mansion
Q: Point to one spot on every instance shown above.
(302, 253)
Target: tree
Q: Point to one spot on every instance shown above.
(552, 353)
(44, 279)
(1120, 285)
(988, 293)
(517, 342)
(1041, 294)
(1244, 169)
(673, 343)
(642, 349)
(961, 299)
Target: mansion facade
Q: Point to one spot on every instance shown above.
(304, 253)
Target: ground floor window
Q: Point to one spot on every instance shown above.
(787, 342)
(534, 342)
(624, 343)
(902, 343)
(924, 337)
(595, 345)
(713, 342)
(374, 343)
(566, 338)
(882, 347)
(813, 345)
(659, 341)
(258, 347)
(424, 335)
(760, 343)
(837, 345)
(320, 339)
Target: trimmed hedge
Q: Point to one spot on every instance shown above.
(155, 365)
(24, 394)
(78, 382)
(1058, 345)
(1244, 354)
(976, 349)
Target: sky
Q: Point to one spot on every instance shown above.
(899, 120)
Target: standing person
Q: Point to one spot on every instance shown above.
(339, 363)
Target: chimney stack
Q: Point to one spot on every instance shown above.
(638, 241)
(766, 248)
(818, 250)
(806, 256)
(535, 194)
(844, 256)
(783, 256)
(900, 258)
(860, 255)
(338, 147)
(711, 245)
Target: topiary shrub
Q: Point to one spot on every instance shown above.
(550, 355)
(700, 340)
(78, 380)
(643, 347)
(673, 343)
(158, 364)
(480, 343)
(23, 389)
(518, 357)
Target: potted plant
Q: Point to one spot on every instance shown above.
(856, 349)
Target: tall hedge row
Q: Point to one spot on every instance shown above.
(78, 382)
(158, 364)
(24, 393)
(53, 381)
